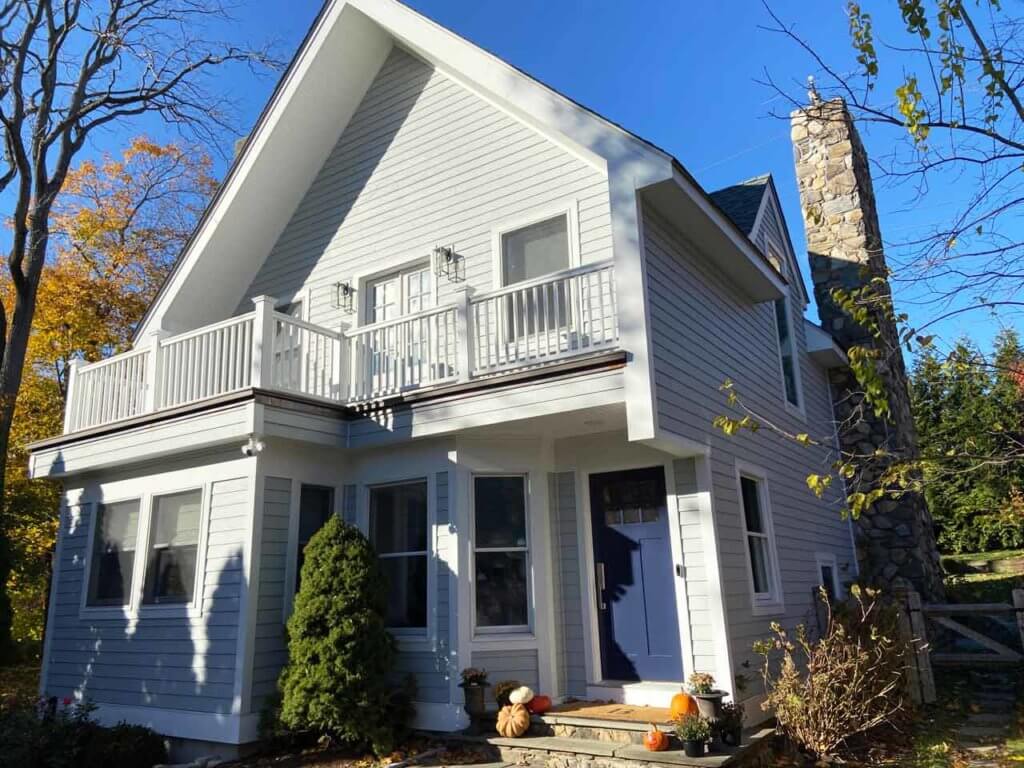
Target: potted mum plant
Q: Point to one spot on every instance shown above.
(730, 725)
(701, 686)
(694, 731)
(474, 685)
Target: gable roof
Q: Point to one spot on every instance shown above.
(741, 202)
(302, 122)
(747, 203)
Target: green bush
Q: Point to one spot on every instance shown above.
(67, 737)
(340, 655)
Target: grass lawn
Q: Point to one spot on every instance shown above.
(982, 587)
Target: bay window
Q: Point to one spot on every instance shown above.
(173, 547)
(113, 553)
(501, 553)
(398, 532)
(316, 505)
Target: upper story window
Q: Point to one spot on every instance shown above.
(535, 250)
(173, 548)
(501, 553)
(398, 532)
(784, 328)
(113, 553)
(760, 541)
(399, 293)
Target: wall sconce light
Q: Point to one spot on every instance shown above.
(344, 297)
(446, 263)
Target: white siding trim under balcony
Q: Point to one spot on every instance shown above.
(531, 323)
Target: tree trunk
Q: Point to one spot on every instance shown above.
(15, 346)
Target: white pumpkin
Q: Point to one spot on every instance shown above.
(521, 695)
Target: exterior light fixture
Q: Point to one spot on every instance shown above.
(446, 263)
(344, 297)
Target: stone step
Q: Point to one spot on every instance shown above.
(592, 729)
(570, 752)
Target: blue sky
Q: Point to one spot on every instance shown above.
(681, 74)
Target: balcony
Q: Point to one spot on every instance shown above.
(528, 324)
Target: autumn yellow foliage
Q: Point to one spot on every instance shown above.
(117, 227)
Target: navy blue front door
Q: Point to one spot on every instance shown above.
(635, 577)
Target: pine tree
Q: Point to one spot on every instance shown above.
(340, 654)
(969, 414)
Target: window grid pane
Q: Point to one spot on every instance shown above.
(501, 552)
(316, 505)
(751, 505)
(173, 548)
(398, 532)
(786, 350)
(113, 555)
(759, 563)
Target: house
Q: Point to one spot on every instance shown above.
(487, 326)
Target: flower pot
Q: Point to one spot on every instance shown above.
(693, 748)
(476, 705)
(732, 737)
(710, 704)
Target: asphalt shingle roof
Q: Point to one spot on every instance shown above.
(740, 202)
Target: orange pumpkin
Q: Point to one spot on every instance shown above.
(655, 740)
(682, 705)
(539, 704)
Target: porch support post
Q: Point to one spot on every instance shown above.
(72, 408)
(154, 370)
(342, 361)
(263, 342)
(463, 332)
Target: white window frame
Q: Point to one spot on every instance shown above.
(828, 559)
(796, 408)
(771, 602)
(568, 208)
(135, 606)
(412, 633)
(511, 630)
(362, 281)
(100, 611)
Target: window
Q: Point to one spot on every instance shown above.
(760, 544)
(501, 553)
(399, 293)
(787, 352)
(113, 554)
(173, 546)
(828, 574)
(316, 505)
(535, 250)
(527, 253)
(398, 531)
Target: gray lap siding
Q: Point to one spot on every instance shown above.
(702, 333)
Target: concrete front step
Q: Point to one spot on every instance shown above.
(574, 752)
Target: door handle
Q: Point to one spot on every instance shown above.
(601, 604)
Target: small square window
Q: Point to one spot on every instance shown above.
(535, 250)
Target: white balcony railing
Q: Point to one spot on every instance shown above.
(527, 324)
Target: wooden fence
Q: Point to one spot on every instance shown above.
(922, 623)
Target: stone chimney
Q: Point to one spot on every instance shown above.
(895, 538)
